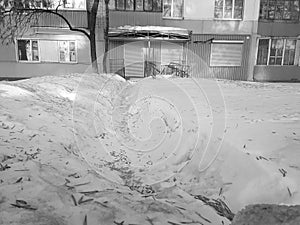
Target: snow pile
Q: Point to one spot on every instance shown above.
(9, 91)
(47, 129)
(95, 149)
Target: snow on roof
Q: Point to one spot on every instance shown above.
(149, 31)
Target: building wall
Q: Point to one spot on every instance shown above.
(198, 16)
(121, 18)
(277, 73)
(204, 10)
(201, 56)
(78, 18)
(278, 28)
(11, 68)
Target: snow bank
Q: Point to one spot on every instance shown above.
(70, 145)
(11, 91)
(47, 131)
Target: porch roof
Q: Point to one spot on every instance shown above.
(149, 32)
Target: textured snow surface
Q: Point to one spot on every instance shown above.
(95, 149)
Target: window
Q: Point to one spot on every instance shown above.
(52, 4)
(277, 51)
(279, 9)
(262, 53)
(67, 51)
(28, 50)
(173, 8)
(289, 52)
(46, 51)
(226, 53)
(229, 9)
(137, 5)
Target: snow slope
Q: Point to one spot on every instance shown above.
(90, 149)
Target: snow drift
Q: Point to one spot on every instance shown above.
(90, 149)
(48, 130)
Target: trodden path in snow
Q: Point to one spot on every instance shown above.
(76, 151)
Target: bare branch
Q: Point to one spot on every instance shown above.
(59, 4)
(24, 11)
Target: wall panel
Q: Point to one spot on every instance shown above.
(199, 58)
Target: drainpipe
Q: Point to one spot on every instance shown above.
(252, 56)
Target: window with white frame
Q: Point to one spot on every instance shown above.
(279, 10)
(28, 50)
(67, 4)
(229, 9)
(276, 51)
(67, 51)
(49, 4)
(136, 5)
(46, 51)
(226, 53)
(172, 8)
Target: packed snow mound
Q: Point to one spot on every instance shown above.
(45, 177)
(140, 136)
(10, 91)
(96, 149)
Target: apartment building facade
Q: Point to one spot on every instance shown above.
(227, 39)
(217, 33)
(278, 43)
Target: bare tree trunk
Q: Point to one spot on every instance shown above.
(106, 36)
(93, 18)
(93, 50)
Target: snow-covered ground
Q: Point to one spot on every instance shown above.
(90, 149)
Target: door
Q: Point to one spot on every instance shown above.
(134, 59)
(152, 58)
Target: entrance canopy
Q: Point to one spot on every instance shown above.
(149, 32)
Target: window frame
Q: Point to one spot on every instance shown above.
(76, 51)
(115, 8)
(267, 17)
(39, 50)
(172, 11)
(62, 7)
(232, 11)
(17, 50)
(269, 50)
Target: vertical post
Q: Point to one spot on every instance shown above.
(106, 29)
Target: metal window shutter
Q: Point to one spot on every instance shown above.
(171, 53)
(48, 51)
(134, 60)
(226, 54)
